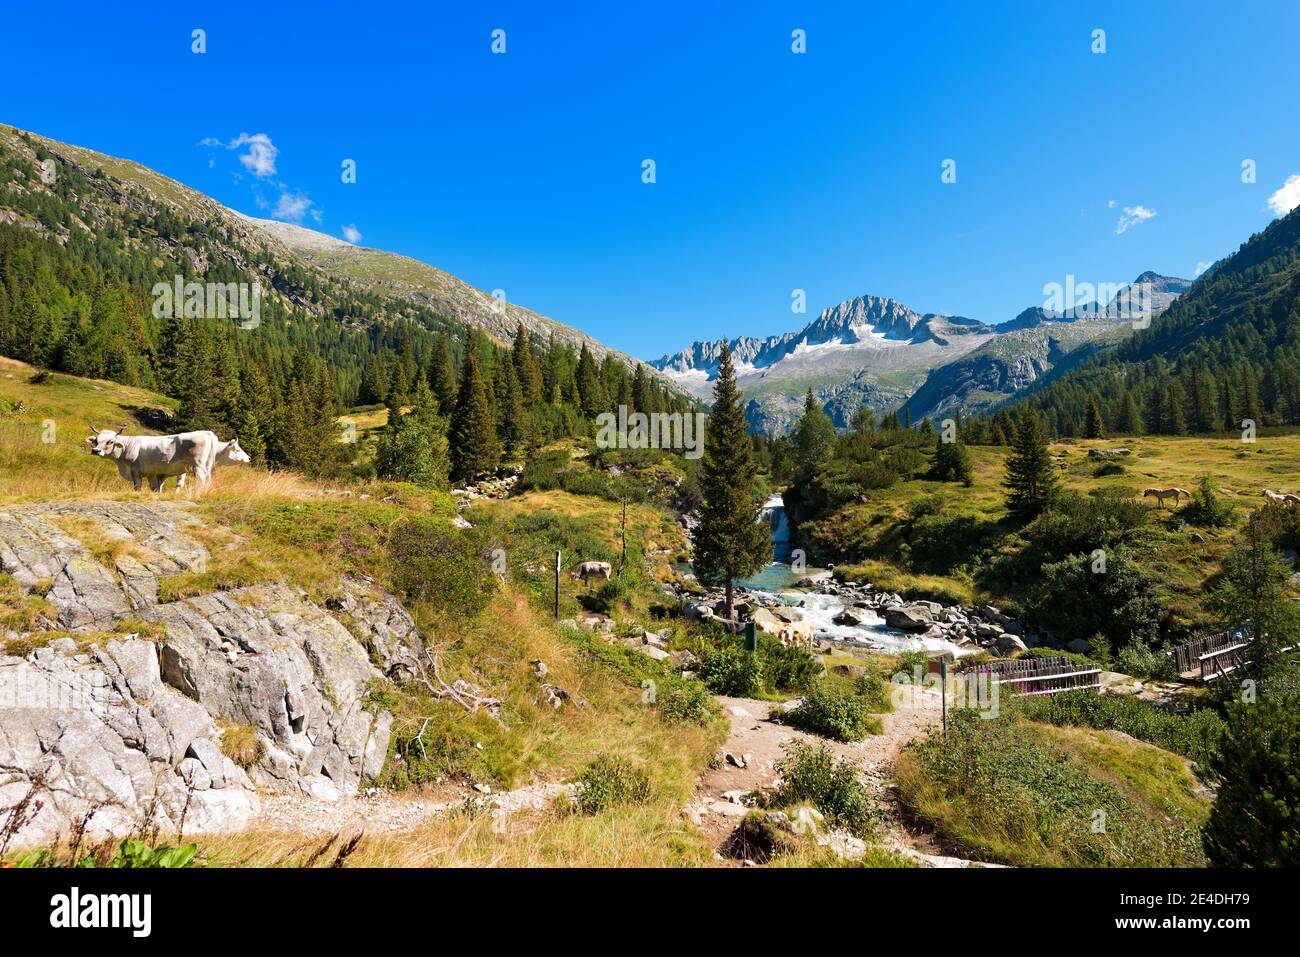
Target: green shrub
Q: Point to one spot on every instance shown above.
(1143, 661)
(1253, 821)
(874, 690)
(785, 667)
(731, 670)
(608, 782)
(1206, 508)
(1196, 735)
(129, 854)
(436, 562)
(687, 702)
(835, 712)
(813, 776)
(999, 792)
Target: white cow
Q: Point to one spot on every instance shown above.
(227, 453)
(156, 457)
(589, 570)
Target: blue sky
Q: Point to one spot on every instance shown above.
(775, 171)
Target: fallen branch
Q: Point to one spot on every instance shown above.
(468, 696)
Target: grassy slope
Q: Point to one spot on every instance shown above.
(260, 527)
(1241, 470)
(1028, 794)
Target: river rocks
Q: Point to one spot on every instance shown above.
(130, 726)
(847, 618)
(915, 617)
(1009, 644)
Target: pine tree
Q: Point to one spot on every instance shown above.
(814, 439)
(413, 447)
(442, 375)
(1173, 420)
(951, 461)
(1003, 428)
(1094, 426)
(474, 446)
(1129, 421)
(730, 541)
(1030, 479)
(527, 369)
(588, 380)
(510, 410)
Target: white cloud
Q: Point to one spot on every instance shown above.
(260, 158)
(292, 207)
(1133, 216)
(1201, 266)
(1287, 197)
(1110, 204)
(352, 234)
(260, 155)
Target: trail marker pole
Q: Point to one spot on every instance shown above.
(557, 584)
(943, 693)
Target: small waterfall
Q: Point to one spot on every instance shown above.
(774, 512)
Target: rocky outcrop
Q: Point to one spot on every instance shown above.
(126, 711)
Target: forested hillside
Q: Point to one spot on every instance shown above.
(81, 251)
(1227, 350)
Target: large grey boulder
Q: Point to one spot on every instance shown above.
(914, 617)
(130, 727)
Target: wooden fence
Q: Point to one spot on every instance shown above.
(1025, 677)
(1211, 657)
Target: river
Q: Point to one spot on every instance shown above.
(777, 580)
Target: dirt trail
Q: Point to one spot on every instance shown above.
(757, 741)
(383, 812)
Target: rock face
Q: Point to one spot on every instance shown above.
(133, 725)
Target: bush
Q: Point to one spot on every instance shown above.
(1196, 735)
(438, 563)
(608, 782)
(1206, 508)
(731, 670)
(812, 775)
(687, 702)
(1119, 604)
(1253, 821)
(873, 690)
(999, 791)
(1143, 661)
(785, 667)
(836, 713)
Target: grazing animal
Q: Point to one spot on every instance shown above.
(1281, 498)
(797, 634)
(1163, 493)
(156, 458)
(589, 570)
(227, 453)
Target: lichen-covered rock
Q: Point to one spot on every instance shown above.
(130, 726)
(106, 742)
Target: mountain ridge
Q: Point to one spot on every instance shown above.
(877, 351)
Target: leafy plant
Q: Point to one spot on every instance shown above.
(610, 781)
(812, 775)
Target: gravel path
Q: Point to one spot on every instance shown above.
(387, 812)
(756, 740)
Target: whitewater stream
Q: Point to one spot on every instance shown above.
(777, 580)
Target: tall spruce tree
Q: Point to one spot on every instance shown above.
(730, 541)
(1030, 479)
(814, 439)
(951, 460)
(474, 446)
(1094, 426)
(442, 375)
